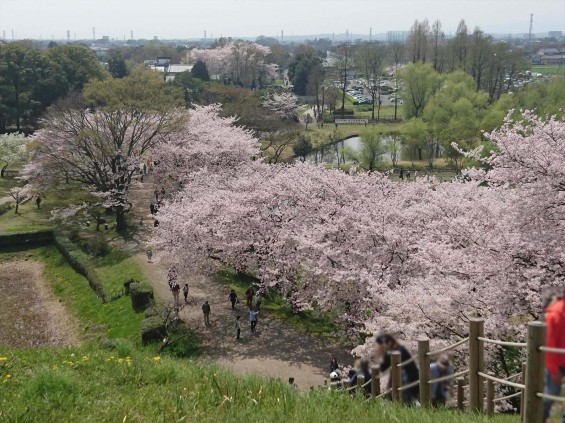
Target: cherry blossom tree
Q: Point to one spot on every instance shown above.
(12, 149)
(102, 146)
(243, 62)
(382, 256)
(284, 105)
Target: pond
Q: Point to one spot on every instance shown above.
(329, 153)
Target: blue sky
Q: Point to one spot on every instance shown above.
(189, 18)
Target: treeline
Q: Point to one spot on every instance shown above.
(31, 79)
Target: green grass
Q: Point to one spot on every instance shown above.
(115, 319)
(115, 268)
(555, 69)
(96, 385)
(273, 305)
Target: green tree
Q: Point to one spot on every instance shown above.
(415, 134)
(200, 71)
(117, 66)
(300, 68)
(302, 147)
(455, 114)
(78, 63)
(29, 82)
(421, 82)
(371, 151)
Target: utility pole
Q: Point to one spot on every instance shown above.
(371, 34)
(530, 34)
(68, 36)
(93, 34)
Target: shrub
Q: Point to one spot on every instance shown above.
(98, 246)
(80, 262)
(5, 208)
(24, 238)
(152, 329)
(141, 296)
(151, 311)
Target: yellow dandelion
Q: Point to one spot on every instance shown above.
(3, 358)
(84, 358)
(156, 358)
(120, 360)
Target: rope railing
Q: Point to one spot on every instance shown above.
(553, 350)
(514, 376)
(409, 385)
(385, 393)
(550, 397)
(449, 347)
(507, 397)
(449, 377)
(407, 362)
(503, 343)
(502, 381)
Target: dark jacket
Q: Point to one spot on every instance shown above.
(367, 375)
(409, 372)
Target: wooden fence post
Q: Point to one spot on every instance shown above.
(490, 396)
(395, 376)
(375, 381)
(460, 393)
(425, 373)
(360, 382)
(476, 364)
(533, 412)
(523, 391)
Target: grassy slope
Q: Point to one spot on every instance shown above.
(96, 385)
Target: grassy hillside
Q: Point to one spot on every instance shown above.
(95, 385)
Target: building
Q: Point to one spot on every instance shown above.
(169, 70)
(558, 35)
(549, 56)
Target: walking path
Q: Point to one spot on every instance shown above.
(277, 349)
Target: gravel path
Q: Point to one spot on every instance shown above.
(277, 349)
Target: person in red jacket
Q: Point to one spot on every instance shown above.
(554, 363)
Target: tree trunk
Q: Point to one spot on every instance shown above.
(3, 170)
(121, 224)
(17, 206)
(420, 153)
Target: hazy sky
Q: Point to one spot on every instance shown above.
(189, 18)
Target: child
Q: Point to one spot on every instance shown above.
(185, 292)
(149, 253)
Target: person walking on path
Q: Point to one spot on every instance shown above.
(363, 371)
(185, 292)
(238, 327)
(554, 363)
(249, 296)
(233, 299)
(156, 194)
(253, 319)
(149, 253)
(176, 291)
(257, 302)
(333, 365)
(206, 310)
(386, 345)
(38, 202)
(441, 391)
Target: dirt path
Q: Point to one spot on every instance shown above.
(30, 315)
(277, 349)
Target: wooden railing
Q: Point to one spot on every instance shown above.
(530, 387)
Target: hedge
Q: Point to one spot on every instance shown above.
(141, 296)
(80, 262)
(25, 238)
(152, 329)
